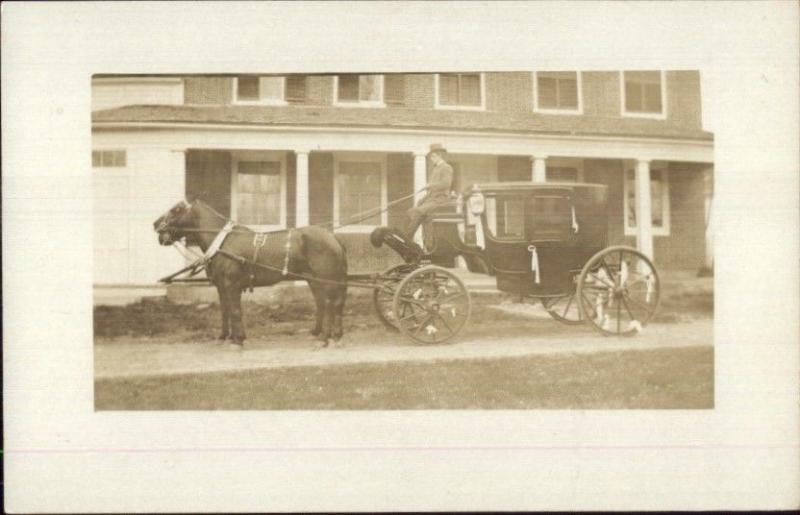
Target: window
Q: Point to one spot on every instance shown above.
(259, 190)
(359, 90)
(643, 93)
(360, 189)
(558, 92)
(257, 89)
(460, 91)
(505, 217)
(109, 158)
(659, 194)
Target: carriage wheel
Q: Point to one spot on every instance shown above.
(565, 309)
(383, 295)
(618, 291)
(431, 305)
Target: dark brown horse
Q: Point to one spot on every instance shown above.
(310, 253)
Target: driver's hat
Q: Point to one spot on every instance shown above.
(437, 147)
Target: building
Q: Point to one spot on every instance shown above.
(286, 151)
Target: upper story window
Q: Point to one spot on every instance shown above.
(460, 91)
(557, 92)
(643, 94)
(358, 90)
(108, 158)
(254, 89)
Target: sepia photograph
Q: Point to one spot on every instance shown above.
(448, 240)
(400, 256)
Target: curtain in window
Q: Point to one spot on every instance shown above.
(259, 193)
(557, 90)
(359, 191)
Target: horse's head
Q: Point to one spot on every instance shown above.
(172, 225)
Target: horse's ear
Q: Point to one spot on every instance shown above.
(191, 197)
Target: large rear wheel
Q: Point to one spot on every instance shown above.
(618, 291)
(431, 305)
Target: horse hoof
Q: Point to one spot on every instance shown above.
(238, 347)
(320, 345)
(334, 343)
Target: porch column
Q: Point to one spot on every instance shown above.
(301, 189)
(539, 168)
(644, 220)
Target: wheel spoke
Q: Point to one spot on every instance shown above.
(640, 304)
(627, 307)
(445, 323)
(421, 325)
(569, 302)
(619, 311)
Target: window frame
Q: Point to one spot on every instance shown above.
(639, 114)
(110, 167)
(359, 157)
(664, 230)
(436, 95)
(548, 110)
(272, 156)
(360, 103)
(261, 101)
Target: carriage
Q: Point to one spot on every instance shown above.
(544, 242)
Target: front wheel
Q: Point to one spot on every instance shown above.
(618, 291)
(431, 305)
(383, 295)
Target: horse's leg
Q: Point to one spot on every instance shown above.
(225, 310)
(337, 304)
(237, 324)
(319, 300)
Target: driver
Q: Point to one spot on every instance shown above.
(437, 191)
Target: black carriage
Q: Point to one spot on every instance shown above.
(541, 241)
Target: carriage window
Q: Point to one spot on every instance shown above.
(108, 158)
(505, 217)
(258, 192)
(549, 217)
(252, 88)
(460, 90)
(360, 189)
(359, 89)
(659, 202)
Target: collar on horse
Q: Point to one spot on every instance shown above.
(202, 261)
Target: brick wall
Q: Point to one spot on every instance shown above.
(506, 92)
(208, 90)
(684, 247)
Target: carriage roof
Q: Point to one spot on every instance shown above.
(527, 186)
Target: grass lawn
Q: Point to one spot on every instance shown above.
(652, 379)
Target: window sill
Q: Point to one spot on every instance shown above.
(460, 108)
(359, 104)
(261, 102)
(652, 116)
(572, 112)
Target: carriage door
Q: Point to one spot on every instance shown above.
(549, 231)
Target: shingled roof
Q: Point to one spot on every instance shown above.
(401, 118)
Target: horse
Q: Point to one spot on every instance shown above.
(248, 259)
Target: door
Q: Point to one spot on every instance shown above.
(111, 225)
(550, 231)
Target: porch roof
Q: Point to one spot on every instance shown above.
(402, 118)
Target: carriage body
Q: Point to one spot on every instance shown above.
(538, 237)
